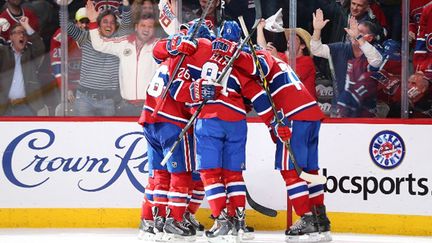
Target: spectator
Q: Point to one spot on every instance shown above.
(11, 16)
(19, 62)
(340, 53)
(74, 59)
(305, 67)
(416, 8)
(137, 65)
(419, 95)
(98, 87)
(423, 50)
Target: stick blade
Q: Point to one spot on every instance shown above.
(317, 179)
(260, 208)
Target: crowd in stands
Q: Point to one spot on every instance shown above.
(347, 53)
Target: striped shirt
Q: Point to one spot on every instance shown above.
(99, 71)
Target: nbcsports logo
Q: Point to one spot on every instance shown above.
(387, 149)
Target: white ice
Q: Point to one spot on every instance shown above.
(130, 235)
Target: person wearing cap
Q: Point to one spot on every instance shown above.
(74, 59)
(305, 67)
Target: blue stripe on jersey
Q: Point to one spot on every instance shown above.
(177, 197)
(219, 102)
(56, 69)
(236, 188)
(158, 61)
(214, 191)
(300, 109)
(315, 189)
(279, 80)
(264, 66)
(233, 84)
(167, 116)
(298, 189)
(195, 72)
(160, 195)
(420, 45)
(175, 88)
(149, 197)
(261, 103)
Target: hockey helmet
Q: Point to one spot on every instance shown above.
(231, 31)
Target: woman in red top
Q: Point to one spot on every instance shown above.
(305, 67)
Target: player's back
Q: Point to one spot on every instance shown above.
(172, 111)
(290, 94)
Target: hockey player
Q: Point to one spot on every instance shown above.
(176, 188)
(171, 182)
(297, 108)
(221, 124)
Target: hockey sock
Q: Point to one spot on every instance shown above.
(297, 190)
(160, 193)
(230, 208)
(197, 195)
(214, 190)
(236, 189)
(178, 194)
(147, 204)
(316, 192)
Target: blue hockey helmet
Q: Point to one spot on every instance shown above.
(203, 31)
(231, 31)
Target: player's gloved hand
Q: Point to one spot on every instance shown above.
(224, 47)
(203, 89)
(281, 130)
(181, 44)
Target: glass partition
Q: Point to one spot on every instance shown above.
(349, 54)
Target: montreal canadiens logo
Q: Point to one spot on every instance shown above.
(429, 42)
(387, 149)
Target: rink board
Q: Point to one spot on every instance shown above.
(64, 173)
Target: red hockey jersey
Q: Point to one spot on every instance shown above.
(287, 91)
(74, 60)
(7, 20)
(423, 52)
(172, 111)
(230, 104)
(416, 8)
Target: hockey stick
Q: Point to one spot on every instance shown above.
(225, 70)
(161, 98)
(260, 208)
(305, 176)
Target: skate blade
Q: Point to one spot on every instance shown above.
(146, 236)
(313, 237)
(224, 239)
(248, 236)
(199, 233)
(159, 237)
(178, 238)
(325, 236)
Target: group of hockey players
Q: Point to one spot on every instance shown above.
(211, 157)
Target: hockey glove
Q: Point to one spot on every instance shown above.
(181, 44)
(281, 130)
(204, 89)
(224, 47)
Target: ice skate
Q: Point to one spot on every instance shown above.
(175, 230)
(146, 230)
(323, 223)
(223, 230)
(159, 223)
(244, 232)
(304, 230)
(190, 218)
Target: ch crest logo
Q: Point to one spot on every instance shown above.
(429, 42)
(387, 149)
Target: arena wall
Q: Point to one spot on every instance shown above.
(62, 172)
